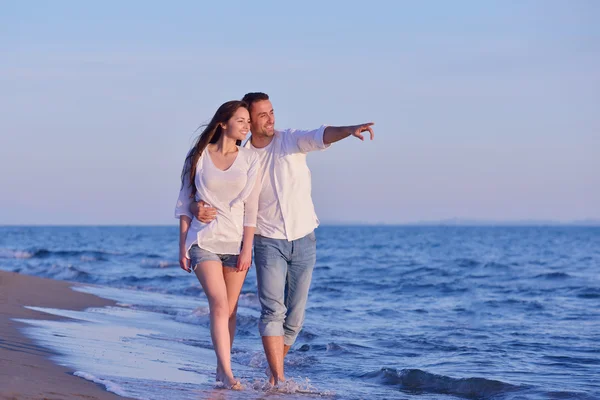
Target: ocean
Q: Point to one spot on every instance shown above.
(395, 312)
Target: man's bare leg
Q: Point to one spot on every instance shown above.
(274, 351)
(286, 349)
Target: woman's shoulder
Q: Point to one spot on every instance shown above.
(248, 154)
(250, 158)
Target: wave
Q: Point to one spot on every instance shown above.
(84, 255)
(250, 300)
(333, 348)
(553, 275)
(325, 289)
(425, 288)
(385, 312)
(589, 293)
(299, 360)
(568, 361)
(67, 272)
(422, 270)
(110, 386)
(143, 255)
(10, 253)
(307, 335)
(256, 359)
(496, 265)
(511, 302)
(152, 262)
(137, 280)
(200, 316)
(291, 386)
(422, 381)
(467, 262)
(247, 322)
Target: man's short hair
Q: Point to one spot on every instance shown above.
(253, 97)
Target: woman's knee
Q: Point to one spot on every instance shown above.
(219, 308)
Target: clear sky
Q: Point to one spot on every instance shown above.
(483, 109)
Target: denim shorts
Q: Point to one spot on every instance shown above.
(198, 255)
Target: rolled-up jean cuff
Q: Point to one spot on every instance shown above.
(289, 340)
(272, 328)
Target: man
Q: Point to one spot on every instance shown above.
(285, 243)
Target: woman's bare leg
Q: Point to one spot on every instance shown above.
(234, 280)
(210, 275)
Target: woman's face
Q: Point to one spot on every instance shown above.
(238, 125)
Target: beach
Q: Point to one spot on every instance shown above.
(26, 372)
(427, 313)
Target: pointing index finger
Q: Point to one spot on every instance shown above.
(371, 132)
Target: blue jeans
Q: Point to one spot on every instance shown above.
(283, 273)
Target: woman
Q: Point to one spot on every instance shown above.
(223, 174)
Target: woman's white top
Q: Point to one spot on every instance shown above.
(233, 192)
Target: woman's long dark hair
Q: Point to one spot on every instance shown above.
(210, 135)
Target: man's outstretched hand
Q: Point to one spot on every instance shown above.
(359, 129)
(334, 134)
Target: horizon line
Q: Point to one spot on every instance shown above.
(446, 222)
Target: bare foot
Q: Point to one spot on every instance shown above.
(270, 376)
(232, 383)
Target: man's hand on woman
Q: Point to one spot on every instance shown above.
(203, 212)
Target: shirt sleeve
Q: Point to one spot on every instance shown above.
(251, 202)
(185, 195)
(310, 140)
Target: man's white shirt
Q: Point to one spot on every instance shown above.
(285, 206)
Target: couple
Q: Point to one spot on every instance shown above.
(232, 196)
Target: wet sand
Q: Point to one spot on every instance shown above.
(26, 372)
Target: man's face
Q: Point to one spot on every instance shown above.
(262, 118)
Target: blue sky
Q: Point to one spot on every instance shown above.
(483, 110)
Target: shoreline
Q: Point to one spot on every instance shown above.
(26, 370)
